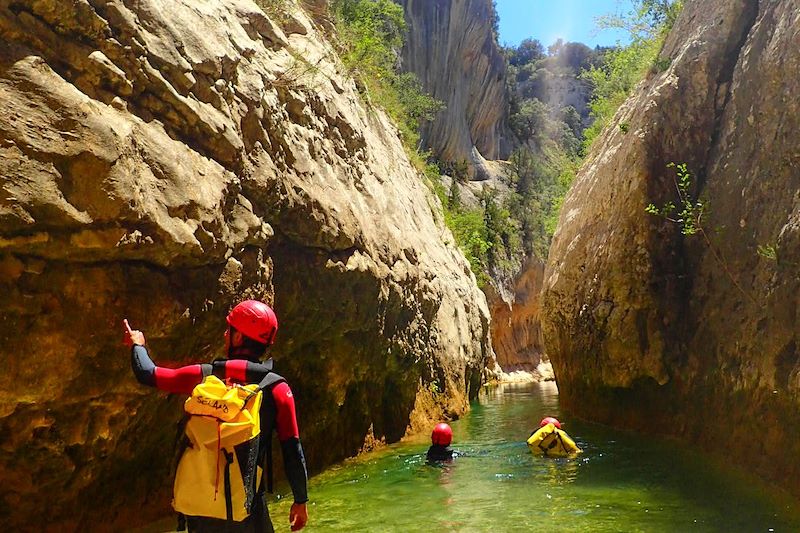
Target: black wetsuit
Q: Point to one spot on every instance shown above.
(439, 453)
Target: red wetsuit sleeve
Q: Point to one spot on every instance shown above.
(285, 416)
(178, 380)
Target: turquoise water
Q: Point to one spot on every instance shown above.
(621, 483)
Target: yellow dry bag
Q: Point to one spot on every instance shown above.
(551, 441)
(218, 473)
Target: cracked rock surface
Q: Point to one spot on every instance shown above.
(688, 336)
(161, 160)
(451, 48)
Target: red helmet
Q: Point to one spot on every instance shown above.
(255, 320)
(442, 435)
(550, 420)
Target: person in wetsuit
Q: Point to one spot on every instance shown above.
(251, 330)
(550, 440)
(440, 450)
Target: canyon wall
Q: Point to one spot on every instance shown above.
(516, 322)
(162, 160)
(451, 47)
(692, 335)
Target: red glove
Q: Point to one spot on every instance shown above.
(298, 516)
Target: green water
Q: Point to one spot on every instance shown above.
(621, 483)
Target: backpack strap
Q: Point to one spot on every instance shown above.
(548, 441)
(269, 381)
(181, 440)
(268, 414)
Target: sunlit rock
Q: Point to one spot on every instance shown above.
(161, 161)
(451, 47)
(692, 336)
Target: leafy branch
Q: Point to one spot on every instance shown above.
(768, 251)
(690, 218)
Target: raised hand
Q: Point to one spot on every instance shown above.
(132, 336)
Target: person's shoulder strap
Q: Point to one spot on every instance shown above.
(269, 381)
(244, 371)
(268, 426)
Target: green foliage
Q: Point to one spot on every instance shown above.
(531, 121)
(648, 20)
(544, 166)
(661, 14)
(541, 182)
(552, 139)
(417, 105)
(768, 251)
(613, 81)
(275, 9)
(624, 67)
(528, 52)
(471, 236)
(568, 169)
(488, 235)
(371, 36)
(495, 20)
(570, 117)
(690, 215)
(431, 170)
(466, 225)
(458, 170)
(502, 232)
(373, 31)
(772, 252)
(454, 196)
(661, 64)
(534, 74)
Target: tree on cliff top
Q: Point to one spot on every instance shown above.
(626, 66)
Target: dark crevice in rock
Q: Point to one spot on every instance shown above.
(786, 363)
(721, 316)
(748, 17)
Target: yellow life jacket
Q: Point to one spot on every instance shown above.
(218, 473)
(551, 441)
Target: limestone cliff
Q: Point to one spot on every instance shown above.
(452, 49)
(516, 327)
(160, 160)
(698, 338)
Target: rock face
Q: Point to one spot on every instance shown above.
(161, 161)
(516, 322)
(452, 49)
(565, 89)
(698, 338)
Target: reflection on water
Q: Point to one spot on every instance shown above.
(621, 482)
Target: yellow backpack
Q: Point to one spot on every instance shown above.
(551, 441)
(218, 472)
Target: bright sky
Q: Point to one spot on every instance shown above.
(547, 20)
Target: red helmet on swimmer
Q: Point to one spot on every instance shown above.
(550, 420)
(442, 435)
(255, 320)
